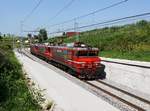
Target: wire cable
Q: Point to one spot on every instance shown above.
(96, 11)
(109, 22)
(32, 11)
(61, 10)
(106, 22)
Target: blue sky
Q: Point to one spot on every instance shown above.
(13, 11)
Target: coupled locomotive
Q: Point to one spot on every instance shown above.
(79, 59)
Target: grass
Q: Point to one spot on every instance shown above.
(140, 56)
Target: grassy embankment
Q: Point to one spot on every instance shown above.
(131, 41)
(14, 92)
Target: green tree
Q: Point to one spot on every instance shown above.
(64, 34)
(0, 35)
(42, 35)
(35, 36)
(142, 23)
(29, 36)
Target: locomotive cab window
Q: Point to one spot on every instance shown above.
(87, 53)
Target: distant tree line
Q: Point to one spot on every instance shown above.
(41, 37)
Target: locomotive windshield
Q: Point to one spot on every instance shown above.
(87, 53)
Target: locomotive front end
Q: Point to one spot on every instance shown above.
(88, 64)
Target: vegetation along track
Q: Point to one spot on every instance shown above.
(136, 102)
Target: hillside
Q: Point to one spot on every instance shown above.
(131, 41)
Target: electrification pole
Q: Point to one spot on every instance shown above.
(13, 41)
(76, 31)
(21, 29)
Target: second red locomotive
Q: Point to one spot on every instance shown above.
(79, 59)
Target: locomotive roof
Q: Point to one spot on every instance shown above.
(71, 46)
(74, 48)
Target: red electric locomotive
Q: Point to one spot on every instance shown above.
(79, 59)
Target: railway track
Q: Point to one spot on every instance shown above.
(127, 64)
(136, 102)
(97, 86)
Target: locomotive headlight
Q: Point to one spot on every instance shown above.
(97, 63)
(80, 64)
(83, 65)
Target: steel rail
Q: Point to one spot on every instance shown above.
(121, 90)
(141, 66)
(117, 97)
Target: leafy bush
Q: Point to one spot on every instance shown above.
(14, 93)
